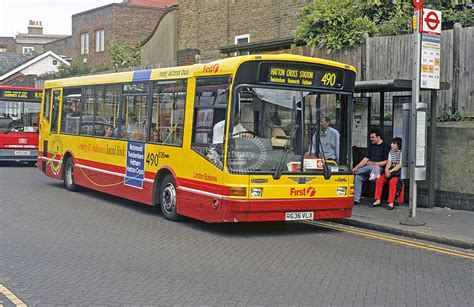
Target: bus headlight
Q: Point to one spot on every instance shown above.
(341, 191)
(256, 192)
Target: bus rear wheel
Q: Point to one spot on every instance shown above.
(69, 175)
(168, 198)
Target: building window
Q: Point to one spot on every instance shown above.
(240, 40)
(99, 40)
(3, 49)
(28, 49)
(84, 43)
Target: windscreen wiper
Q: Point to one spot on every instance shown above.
(281, 164)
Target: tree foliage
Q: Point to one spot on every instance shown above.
(464, 16)
(124, 56)
(334, 25)
(65, 71)
(390, 17)
(338, 25)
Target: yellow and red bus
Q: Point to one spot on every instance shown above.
(163, 137)
(19, 113)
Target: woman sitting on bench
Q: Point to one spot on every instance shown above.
(392, 174)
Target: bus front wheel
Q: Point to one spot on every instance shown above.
(69, 175)
(168, 198)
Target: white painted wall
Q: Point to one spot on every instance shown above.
(42, 66)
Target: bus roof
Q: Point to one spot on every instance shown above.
(218, 67)
(19, 88)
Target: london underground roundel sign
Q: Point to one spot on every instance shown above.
(431, 22)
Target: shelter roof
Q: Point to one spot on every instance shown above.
(394, 85)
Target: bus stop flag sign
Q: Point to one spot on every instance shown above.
(431, 22)
(418, 4)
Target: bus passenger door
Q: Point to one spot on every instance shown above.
(44, 130)
(49, 131)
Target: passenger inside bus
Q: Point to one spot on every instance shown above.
(109, 132)
(277, 134)
(155, 135)
(133, 130)
(72, 108)
(239, 130)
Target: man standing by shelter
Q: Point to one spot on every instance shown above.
(377, 157)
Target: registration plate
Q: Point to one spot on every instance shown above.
(299, 216)
(22, 152)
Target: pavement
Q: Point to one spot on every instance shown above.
(443, 225)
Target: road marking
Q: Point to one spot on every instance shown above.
(11, 297)
(379, 236)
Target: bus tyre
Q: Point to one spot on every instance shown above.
(168, 198)
(69, 175)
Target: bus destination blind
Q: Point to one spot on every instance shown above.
(19, 94)
(298, 75)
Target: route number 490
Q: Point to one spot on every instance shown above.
(329, 79)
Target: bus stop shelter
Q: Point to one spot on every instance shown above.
(379, 104)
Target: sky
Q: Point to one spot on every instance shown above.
(55, 14)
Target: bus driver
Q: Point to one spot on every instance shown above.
(218, 130)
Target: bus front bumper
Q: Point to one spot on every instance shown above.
(27, 155)
(235, 210)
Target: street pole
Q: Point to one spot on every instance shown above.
(412, 220)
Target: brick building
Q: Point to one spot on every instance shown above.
(160, 47)
(24, 43)
(213, 28)
(34, 40)
(7, 44)
(95, 29)
(152, 3)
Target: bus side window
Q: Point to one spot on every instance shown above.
(87, 111)
(71, 112)
(134, 113)
(55, 111)
(111, 108)
(168, 106)
(211, 99)
(47, 104)
(99, 111)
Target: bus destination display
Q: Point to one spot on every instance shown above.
(299, 75)
(19, 94)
